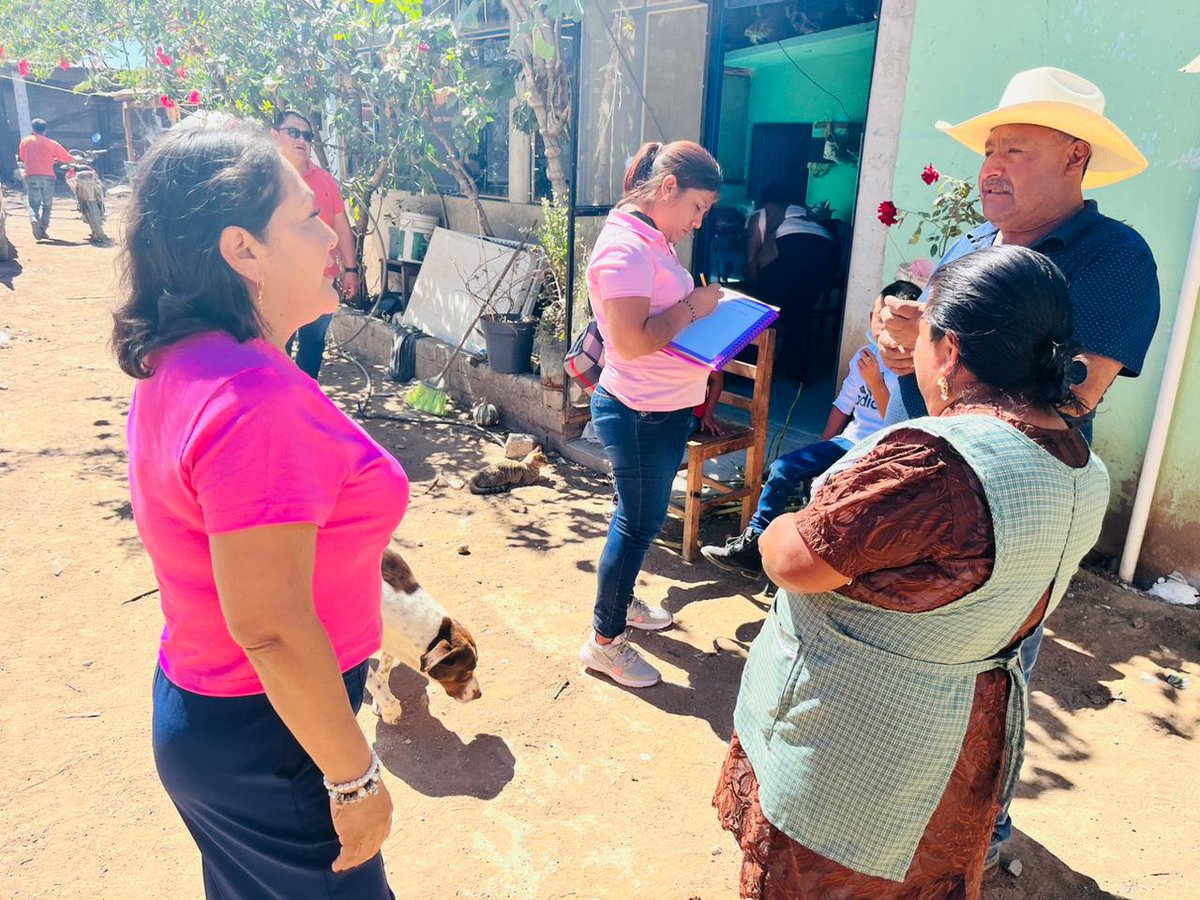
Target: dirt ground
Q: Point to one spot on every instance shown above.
(555, 784)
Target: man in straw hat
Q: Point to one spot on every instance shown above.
(1047, 141)
(1042, 146)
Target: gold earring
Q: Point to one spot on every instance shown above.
(258, 300)
(944, 387)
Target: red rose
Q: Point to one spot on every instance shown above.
(930, 174)
(23, 68)
(166, 101)
(194, 98)
(887, 213)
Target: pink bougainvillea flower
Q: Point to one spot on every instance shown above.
(424, 47)
(929, 175)
(163, 58)
(1, 51)
(182, 72)
(166, 101)
(194, 98)
(887, 213)
(23, 67)
(64, 63)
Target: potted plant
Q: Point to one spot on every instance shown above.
(508, 336)
(551, 340)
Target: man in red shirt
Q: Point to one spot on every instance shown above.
(293, 135)
(40, 153)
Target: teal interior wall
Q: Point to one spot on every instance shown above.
(962, 56)
(840, 62)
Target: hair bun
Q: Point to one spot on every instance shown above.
(1057, 371)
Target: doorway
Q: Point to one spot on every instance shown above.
(786, 120)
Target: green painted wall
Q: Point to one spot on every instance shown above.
(779, 93)
(962, 56)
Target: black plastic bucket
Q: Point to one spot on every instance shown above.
(509, 340)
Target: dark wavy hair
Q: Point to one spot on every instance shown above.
(191, 186)
(1011, 314)
(691, 164)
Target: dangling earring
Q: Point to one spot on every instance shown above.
(258, 300)
(944, 387)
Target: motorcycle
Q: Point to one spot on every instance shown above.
(88, 189)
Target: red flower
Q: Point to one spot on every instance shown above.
(64, 63)
(194, 98)
(887, 213)
(424, 47)
(182, 72)
(163, 58)
(23, 68)
(1, 51)
(930, 174)
(166, 101)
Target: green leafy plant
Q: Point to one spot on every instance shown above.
(552, 233)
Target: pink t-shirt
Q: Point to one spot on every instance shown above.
(227, 436)
(631, 259)
(329, 203)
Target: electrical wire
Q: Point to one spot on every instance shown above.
(849, 118)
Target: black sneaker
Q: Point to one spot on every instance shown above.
(740, 554)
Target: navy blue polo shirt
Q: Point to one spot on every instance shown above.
(1112, 279)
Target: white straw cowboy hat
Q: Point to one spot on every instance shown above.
(1062, 100)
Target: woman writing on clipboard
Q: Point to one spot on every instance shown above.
(642, 298)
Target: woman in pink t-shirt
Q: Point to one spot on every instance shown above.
(265, 511)
(642, 408)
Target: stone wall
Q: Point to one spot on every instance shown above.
(523, 403)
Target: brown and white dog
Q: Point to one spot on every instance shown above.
(419, 633)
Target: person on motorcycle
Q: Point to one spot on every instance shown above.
(39, 154)
(293, 136)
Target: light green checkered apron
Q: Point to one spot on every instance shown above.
(853, 716)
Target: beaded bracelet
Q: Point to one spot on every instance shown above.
(351, 787)
(691, 308)
(370, 789)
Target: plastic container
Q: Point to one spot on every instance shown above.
(408, 238)
(509, 341)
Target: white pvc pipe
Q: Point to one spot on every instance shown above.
(1159, 431)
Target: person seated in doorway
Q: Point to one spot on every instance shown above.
(791, 259)
(857, 414)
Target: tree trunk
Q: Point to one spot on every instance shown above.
(453, 164)
(547, 85)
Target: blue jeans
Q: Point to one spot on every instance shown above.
(786, 473)
(1028, 653)
(40, 189)
(311, 338)
(644, 449)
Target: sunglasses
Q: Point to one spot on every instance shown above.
(294, 133)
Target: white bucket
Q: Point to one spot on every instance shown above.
(408, 238)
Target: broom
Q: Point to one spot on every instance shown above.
(430, 395)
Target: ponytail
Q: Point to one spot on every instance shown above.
(692, 166)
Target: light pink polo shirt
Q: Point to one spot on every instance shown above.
(225, 437)
(631, 259)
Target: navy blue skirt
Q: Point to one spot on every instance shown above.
(253, 799)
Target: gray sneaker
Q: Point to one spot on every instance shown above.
(620, 661)
(644, 617)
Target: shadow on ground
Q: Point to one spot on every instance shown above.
(432, 759)
(1043, 876)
